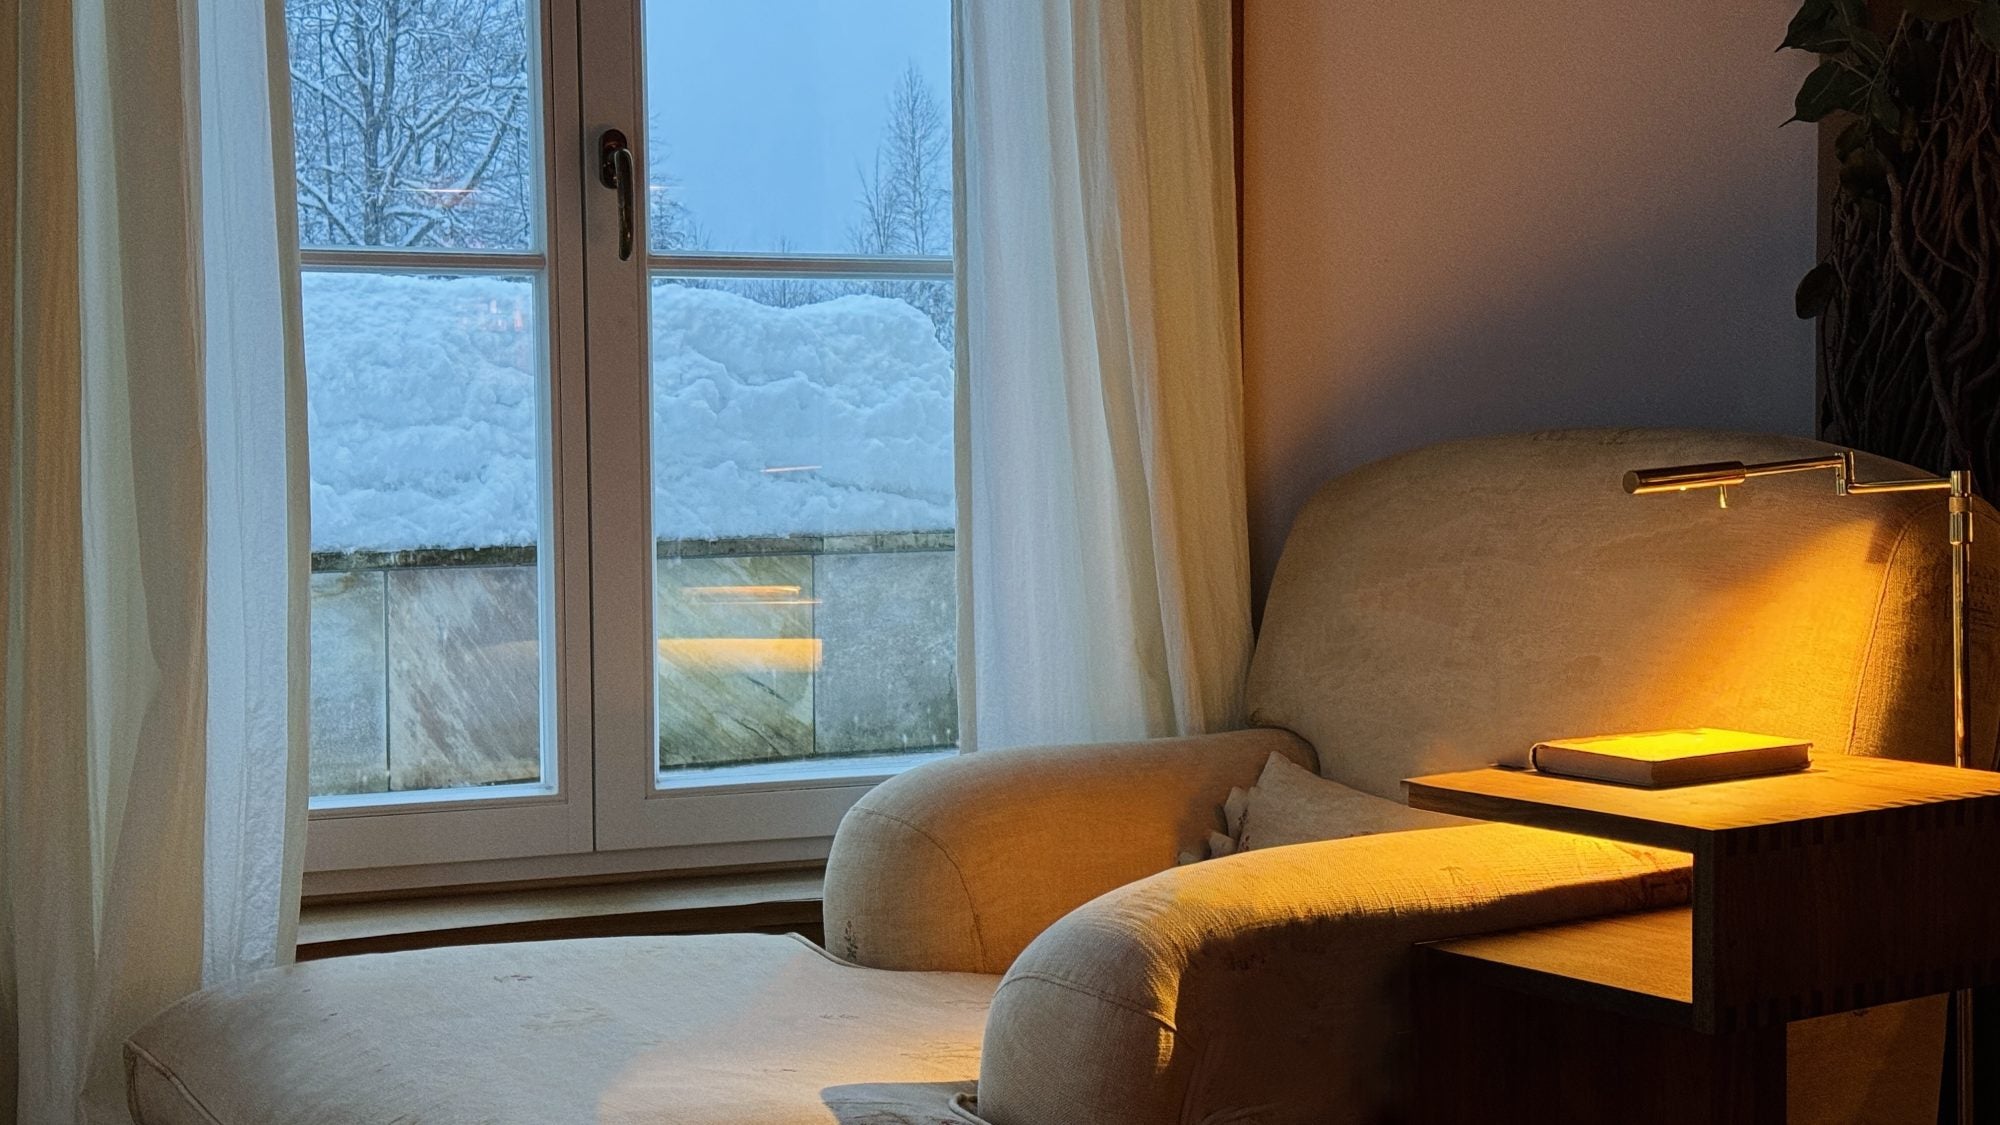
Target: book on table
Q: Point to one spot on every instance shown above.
(1661, 758)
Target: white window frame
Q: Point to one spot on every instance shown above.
(800, 802)
(607, 813)
(453, 826)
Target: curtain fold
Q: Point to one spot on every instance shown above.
(1103, 528)
(153, 673)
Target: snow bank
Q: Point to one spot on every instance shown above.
(421, 411)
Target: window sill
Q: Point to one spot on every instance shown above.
(761, 902)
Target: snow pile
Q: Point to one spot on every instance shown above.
(831, 418)
(823, 419)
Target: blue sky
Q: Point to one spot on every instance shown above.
(763, 108)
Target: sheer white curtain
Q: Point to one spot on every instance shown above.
(1103, 550)
(152, 486)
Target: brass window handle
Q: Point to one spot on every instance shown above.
(614, 170)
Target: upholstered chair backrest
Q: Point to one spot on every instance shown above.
(1447, 608)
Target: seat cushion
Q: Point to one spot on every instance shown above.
(748, 1029)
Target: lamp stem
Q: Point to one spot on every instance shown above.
(1961, 558)
(1961, 733)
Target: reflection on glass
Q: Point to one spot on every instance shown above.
(413, 123)
(423, 421)
(735, 673)
(803, 510)
(799, 126)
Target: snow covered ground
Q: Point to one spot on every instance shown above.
(830, 418)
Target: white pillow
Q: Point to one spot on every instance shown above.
(1293, 805)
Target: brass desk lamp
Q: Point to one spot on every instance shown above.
(1723, 475)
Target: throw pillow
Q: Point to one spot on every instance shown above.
(1293, 805)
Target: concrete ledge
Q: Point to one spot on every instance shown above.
(866, 543)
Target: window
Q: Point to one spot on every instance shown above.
(636, 549)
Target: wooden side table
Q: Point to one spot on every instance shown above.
(1855, 883)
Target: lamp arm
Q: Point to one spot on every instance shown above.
(1844, 477)
(1840, 463)
(1844, 481)
(1918, 484)
(1724, 474)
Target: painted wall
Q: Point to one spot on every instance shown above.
(1464, 218)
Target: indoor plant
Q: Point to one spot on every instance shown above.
(1908, 294)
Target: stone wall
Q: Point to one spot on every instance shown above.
(426, 664)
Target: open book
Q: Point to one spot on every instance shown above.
(1660, 758)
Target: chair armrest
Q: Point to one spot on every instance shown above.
(1273, 986)
(958, 864)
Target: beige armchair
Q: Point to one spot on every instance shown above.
(1009, 937)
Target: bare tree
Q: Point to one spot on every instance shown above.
(905, 196)
(412, 122)
(670, 224)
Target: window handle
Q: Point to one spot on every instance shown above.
(614, 170)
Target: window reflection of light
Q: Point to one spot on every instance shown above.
(748, 595)
(742, 654)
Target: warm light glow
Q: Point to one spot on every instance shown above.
(1670, 745)
(742, 654)
(748, 595)
(738, 593)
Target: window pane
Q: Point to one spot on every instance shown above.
(799, 126)
(803, 509)
(423, 415)
(414, 123)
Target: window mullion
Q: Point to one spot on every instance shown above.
(831, 267)
(406, 260)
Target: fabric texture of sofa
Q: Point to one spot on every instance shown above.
(1012, 923)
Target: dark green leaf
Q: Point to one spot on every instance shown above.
(1883, 109)
(1822, 41)
(1817, 27)
(1938, 11)
(1816, 291)
(1869, 45)
(1853, 12)
(1986, 21)
(1852, 139)
(1829, 89)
